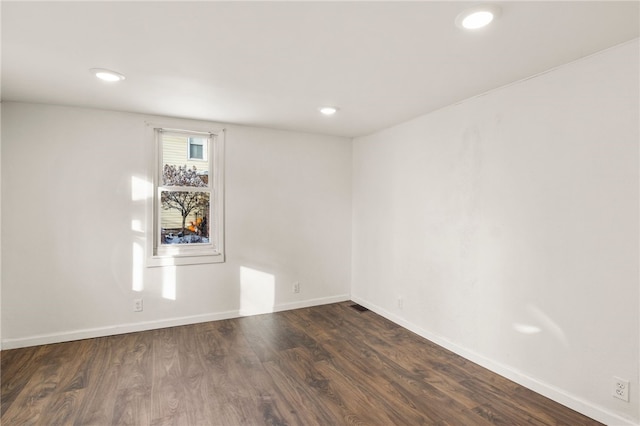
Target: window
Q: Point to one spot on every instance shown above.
(188, 198)
(197, 149)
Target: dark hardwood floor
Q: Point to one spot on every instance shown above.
(326, 365)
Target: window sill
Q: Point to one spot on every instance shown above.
(157, 261)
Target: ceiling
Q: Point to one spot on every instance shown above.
(272, 64)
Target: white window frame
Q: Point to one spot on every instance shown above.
(205, 153)
(188, 254)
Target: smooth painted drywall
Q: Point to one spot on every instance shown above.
(72, 178)
(508, 226)
(0, 226)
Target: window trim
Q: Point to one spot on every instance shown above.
(187, 254)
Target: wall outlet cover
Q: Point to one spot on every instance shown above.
(621, 389)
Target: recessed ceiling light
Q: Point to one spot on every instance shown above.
(477, 17)
(328, 110)
(107, 75)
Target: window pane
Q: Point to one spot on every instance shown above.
(184, 217)
(195, 150)
(179, 168)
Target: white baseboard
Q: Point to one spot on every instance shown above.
(311, 302)
(571, 401)
(67, 336)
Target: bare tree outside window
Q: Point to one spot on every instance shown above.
(186, 203)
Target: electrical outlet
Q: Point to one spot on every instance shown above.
(296, 287)
(137, 305)
(621, 389)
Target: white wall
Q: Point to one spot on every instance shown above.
(508, 224)
(67, 237)
(0, 226)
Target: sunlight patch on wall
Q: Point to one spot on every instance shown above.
(257, 291)
(140, 189)
(548, 324)
(136, 225)
(540, 323)
(137, 268)
(526, 328)
(169, 282)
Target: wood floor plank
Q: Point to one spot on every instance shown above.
(169, 390)
(63, 408)
(216, 350)
(323, 365)
(375, 358)
(104, 369)
(132, 403)
(29, 406)
(300, 396)
(17, 367)
(230, 363)
(422, 367)
(403, 386)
